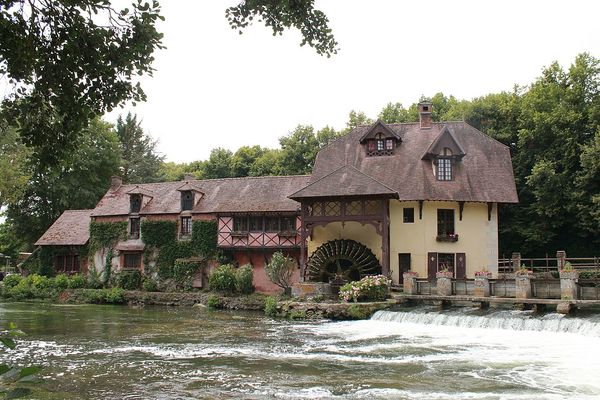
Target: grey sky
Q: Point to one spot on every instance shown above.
(216, 88)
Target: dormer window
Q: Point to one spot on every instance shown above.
(135, 203)
(187, 200)
(444, 165)
(389, 144)
(380, 140)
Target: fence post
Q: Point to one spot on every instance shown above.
(561, 259)
(516, 261)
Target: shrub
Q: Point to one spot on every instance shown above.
(222, 279)
(369, 288)
(149, 284)
(12, 280)
(214, 302)
(93, 278)
(77, 281)
(61, 282)
(129, 280)
(114, 296)
(589, 275)
(21, 291)
(243, 279)
(271, 306)
(46, 270)
(183, 273)
(41, 286)
(280, 270)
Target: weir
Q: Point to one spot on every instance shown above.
(504, 319)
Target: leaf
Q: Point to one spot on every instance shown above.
(8, 342)
(17, 393)
(4, 369)
(27, 371)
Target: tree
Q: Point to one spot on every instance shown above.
(279, 15)
(140, 162)
(244, 158)
(298, 150)
(327, 135)
(269, 163)
(74, 184)
(280, 270)
(67, 62)
(356, 118)
(394, 113)
(13, 170)
(218, 164)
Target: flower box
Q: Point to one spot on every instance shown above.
(447, 238)
(568, 274)
(483, 274)
(444, 274)
(287, 233)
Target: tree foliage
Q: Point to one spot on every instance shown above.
(140, 161)
(280, 270)
(280, 15)
(68, 62)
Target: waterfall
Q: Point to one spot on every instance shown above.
(510, 320)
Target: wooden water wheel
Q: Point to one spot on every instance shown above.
(343, 259)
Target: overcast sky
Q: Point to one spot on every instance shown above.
(215, 88)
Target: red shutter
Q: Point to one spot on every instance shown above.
(461, 265)
(432, 261)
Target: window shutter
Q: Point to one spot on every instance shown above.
(432, 261)
(461, 265)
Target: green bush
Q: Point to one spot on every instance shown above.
(12, 280)
(21, 291)
(114, 296)
(93, 278)
(271, 306)
(46, 270)
(214, 302)
(129, 280)
(61, 282)
(356, 311)
(222, 279)
(280, 270)
(243, 279)
(183, 273)
(77, 281)
(589, 275)
(149, 284)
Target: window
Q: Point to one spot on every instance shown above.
(371, 145)
(67, 263)
(409, 215)
(444, 166)
(135, 203)
(446, 261)
(288, 224)
(240, 224)
(271, 224)
(255, 224)
(132, 261)
(445, 222)
(134, 228)
(380, 142)
(187, 200)
(389, 144)
(186, 226)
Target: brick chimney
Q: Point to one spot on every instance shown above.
(115, 182)
(425, 114)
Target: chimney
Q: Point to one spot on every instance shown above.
(189, 177)
(425, 114)
(115, 182)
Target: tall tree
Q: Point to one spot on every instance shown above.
(244, 158)
(74, 184)
(13, 169)
(298, 150)
(218, 164)
(140, 161)
(67, 62)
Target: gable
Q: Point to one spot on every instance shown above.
(445, 140)
(379, 128)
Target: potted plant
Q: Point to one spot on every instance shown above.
(444, 273)
(568, 272)
(451, 237)
(483, 273)
(523, 271)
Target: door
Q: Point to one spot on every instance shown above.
(432, 263)
(403, 265)
(461, 265)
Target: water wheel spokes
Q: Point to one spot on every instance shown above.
(342, 259)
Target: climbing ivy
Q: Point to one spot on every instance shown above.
(106, 234)
(204, 237)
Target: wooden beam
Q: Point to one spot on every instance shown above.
(420, 209)
(490, 207)
(385, 240)
(303, 213)
(461, 207)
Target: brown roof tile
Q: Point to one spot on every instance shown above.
(344, 181)
(71, 228)
(249, 194)
(484, 174)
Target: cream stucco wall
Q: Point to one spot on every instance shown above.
(477, 237)
(365, 234)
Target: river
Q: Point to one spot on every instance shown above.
(117, 352)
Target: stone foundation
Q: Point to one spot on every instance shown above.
(522, 286)
(306, 290)
(444, 286)
(482, 286)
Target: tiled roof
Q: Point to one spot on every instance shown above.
(71, 228)
(249, 194)
(483, 175)
(344, 181)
